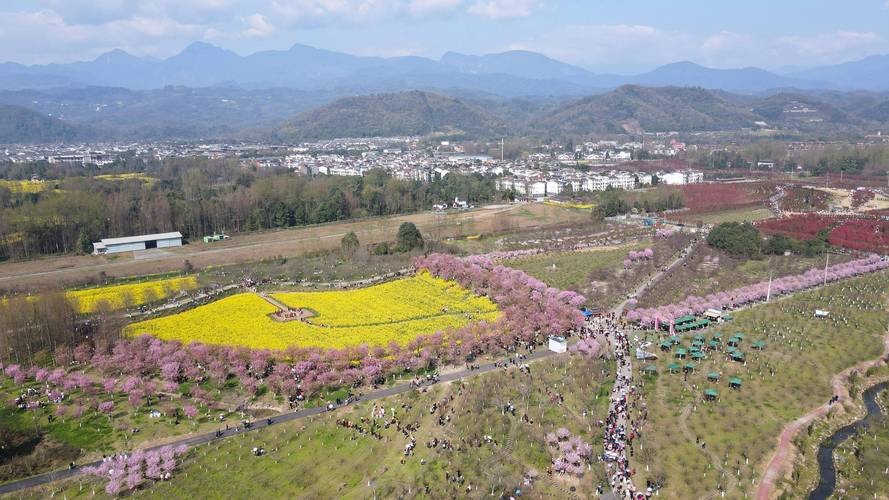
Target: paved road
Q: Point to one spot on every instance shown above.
(199, 439)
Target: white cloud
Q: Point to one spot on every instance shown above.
(503, 9)
(59, 41)
(260, 27)
(421, 8)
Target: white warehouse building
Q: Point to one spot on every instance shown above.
(132, 243)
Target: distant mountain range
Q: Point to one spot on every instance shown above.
(629, 109)
(287, 115)
(507, 74)
(209, 92)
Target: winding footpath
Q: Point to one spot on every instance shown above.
(782, 459)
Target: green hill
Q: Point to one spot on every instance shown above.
(402, 113)
(21, 125)
(632, 108)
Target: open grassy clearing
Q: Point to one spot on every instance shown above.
(319, 458)
(695, 447)
(743, 215)
(397, 311)
(570, 270)
(709, 270)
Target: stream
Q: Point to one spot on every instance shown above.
(826, 467)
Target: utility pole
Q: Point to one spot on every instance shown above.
(501, 149)
(769, 290)
(826, 261)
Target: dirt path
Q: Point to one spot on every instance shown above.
(782, 459)
(271, 300)
(714, 459)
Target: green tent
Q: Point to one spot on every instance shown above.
(689, 366)
(717, 337)
(735, 382)
(714, 376)
(697, 355)
(699, 337)
(759, 345)
(739, 335)
(737, 356)
(714, 344)
(673, 367)
(674, 339)
(681, 352)
(666, 345)
(649, 369)
(711, 393)
(684, 319)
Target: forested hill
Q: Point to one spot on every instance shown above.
(633, 108)
(21, 125)
(396, 114)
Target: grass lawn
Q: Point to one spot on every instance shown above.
(742, 215)
(571, 270)
(780, 383)
(318, 458)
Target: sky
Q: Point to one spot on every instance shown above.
(604, 36)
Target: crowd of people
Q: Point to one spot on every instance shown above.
(620, 429)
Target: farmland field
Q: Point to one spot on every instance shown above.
(395, 311)
(128, 295)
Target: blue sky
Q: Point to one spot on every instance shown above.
(622, 36)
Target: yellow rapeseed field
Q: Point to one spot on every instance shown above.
(139, 176)
(128, 295)
(396, 311)
(25, 186)
(569, 204)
